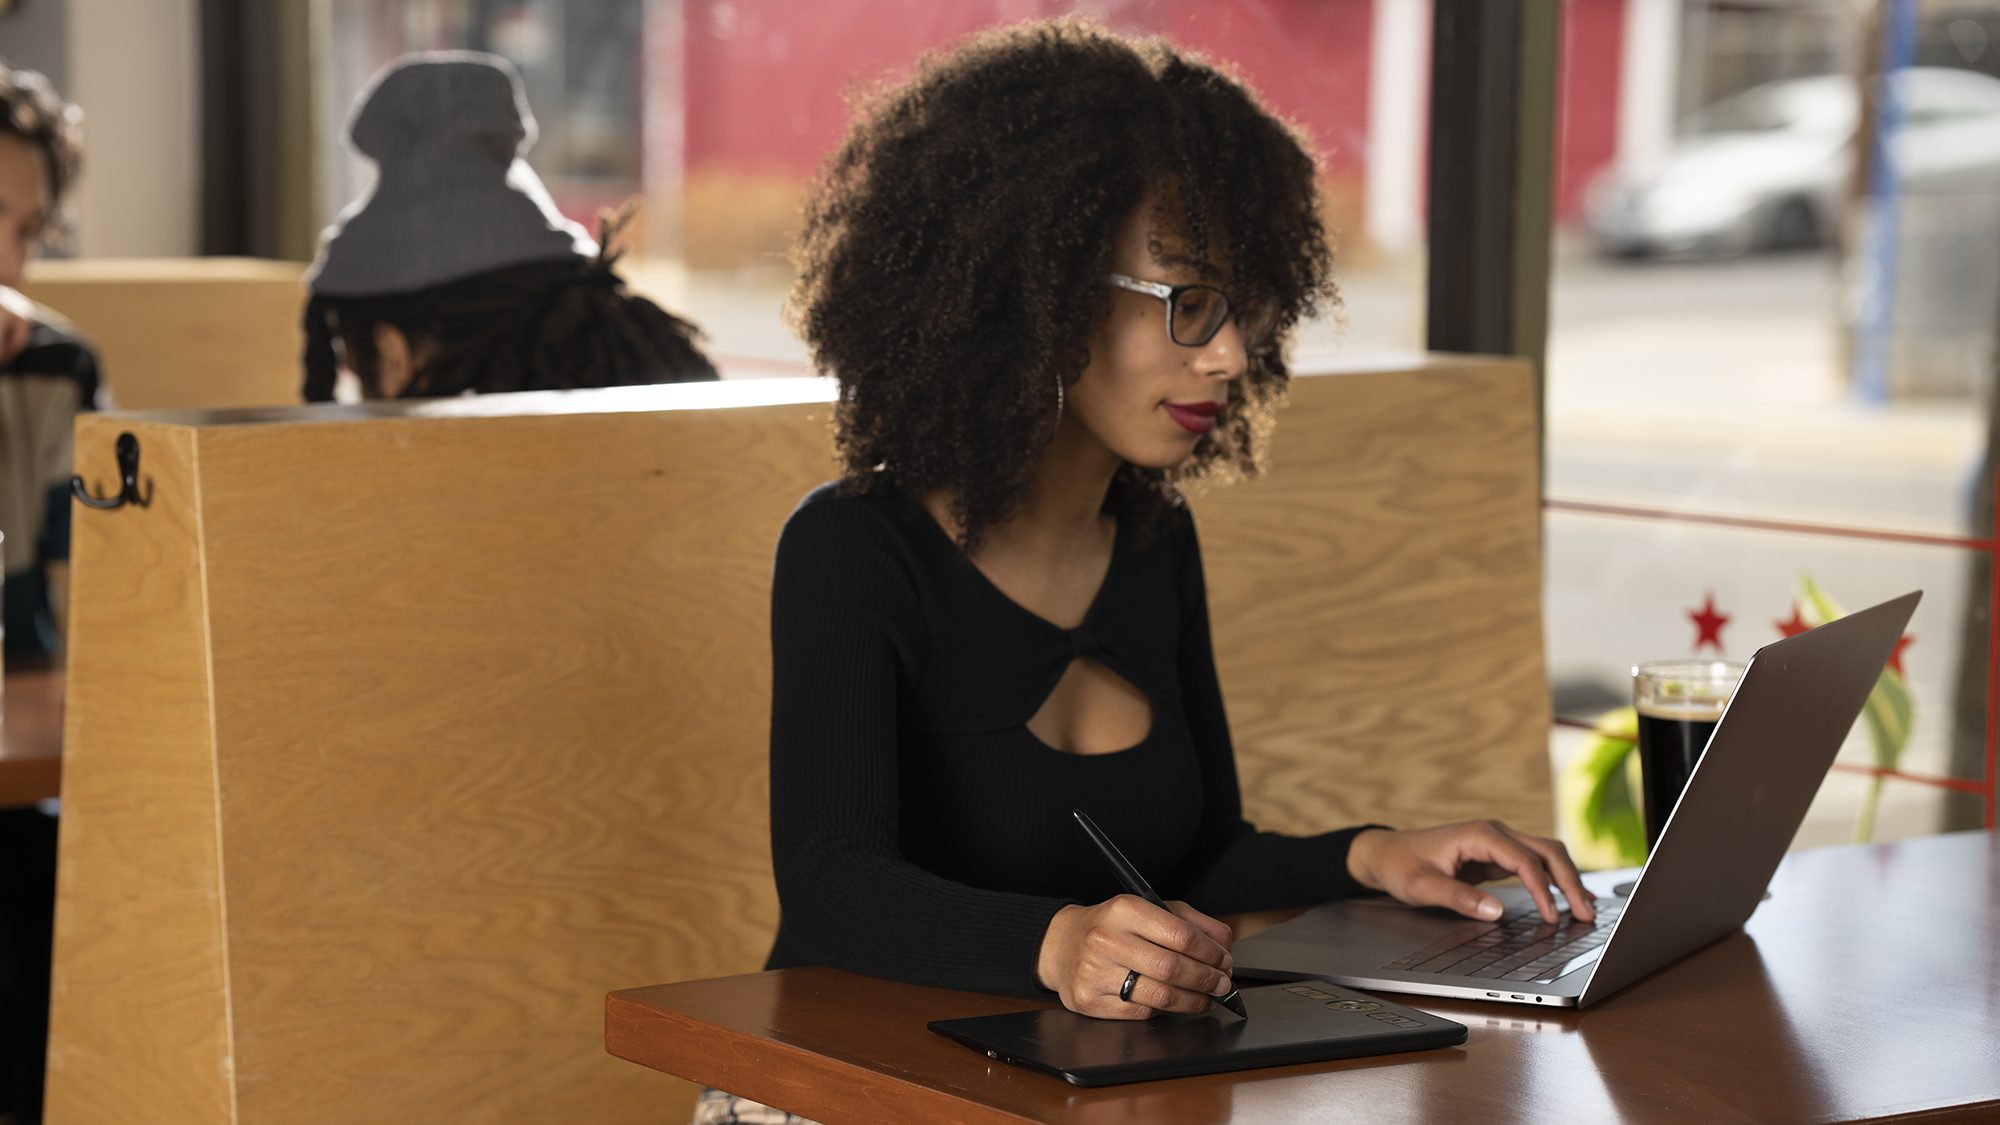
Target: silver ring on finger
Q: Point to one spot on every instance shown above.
(1125, 990)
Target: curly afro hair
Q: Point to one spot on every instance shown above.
(952, 262)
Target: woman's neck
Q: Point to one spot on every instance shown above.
(1062, 508)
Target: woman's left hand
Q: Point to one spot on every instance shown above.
(1437, 867)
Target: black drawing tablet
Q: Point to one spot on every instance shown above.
(1308, 1021)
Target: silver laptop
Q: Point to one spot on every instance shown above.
(1743, 804)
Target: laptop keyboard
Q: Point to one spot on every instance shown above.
(1520, 947)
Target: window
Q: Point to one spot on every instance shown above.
(716, 112)
(1770, 362)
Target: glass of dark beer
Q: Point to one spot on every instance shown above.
(1679, 703)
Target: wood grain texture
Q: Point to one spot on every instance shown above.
(184, 333)
(31, 737)
(1376, 602)
(492, 702)
(138, 1027)
(1748, 1029)
(490, 696)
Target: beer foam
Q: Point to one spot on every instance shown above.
(1684, 710)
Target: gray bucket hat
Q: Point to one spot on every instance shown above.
(452, 196)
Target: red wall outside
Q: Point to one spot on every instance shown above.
(1587, 106)
(765, 79)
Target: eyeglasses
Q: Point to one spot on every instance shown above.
(1195, 313)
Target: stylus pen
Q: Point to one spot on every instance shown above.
(1136, 883)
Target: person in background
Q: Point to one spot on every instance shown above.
(455, 273)
(47, 375)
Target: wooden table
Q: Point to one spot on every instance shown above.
(1867, 986)
(31, 737)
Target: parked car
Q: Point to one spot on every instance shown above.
(1764, 169)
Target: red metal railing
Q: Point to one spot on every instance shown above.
(1985, 786)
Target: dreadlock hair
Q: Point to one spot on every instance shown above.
(32, 111)
(552, 325)
(953, 256)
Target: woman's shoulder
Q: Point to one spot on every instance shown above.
(849, 512)
(1172, 525)
(55, 349)
(845, 547)
(1175, 545)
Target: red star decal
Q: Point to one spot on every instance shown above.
(1708, 624)
(1896, 657)
(1794, 625)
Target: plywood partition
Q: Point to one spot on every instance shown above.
(483, 699)
(184, 333)
(400, 735)
(1376, 600)
(140, 1004)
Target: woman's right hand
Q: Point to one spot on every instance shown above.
(1181, 954)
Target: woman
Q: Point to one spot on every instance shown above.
(1055, 274)
(47, 375)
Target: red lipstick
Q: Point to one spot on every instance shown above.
(1194, 417)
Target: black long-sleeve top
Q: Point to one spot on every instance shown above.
(919, 831)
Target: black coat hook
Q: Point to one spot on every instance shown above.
(128, 476)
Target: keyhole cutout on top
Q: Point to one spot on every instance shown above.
(1092, 710)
